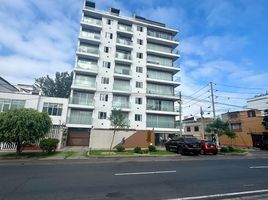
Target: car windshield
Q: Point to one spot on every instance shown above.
(190, 140)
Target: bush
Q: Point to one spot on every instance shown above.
(152, 148)
(231, 148)
(48, 145)
(145, 151)
(120, 148)
(224, 150)
(137, 150)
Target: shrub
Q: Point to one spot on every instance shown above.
(137, 150)
(48, 145)
(224, 150)
(120, 148)
(152, 148)
(231, 148)
(145, 151)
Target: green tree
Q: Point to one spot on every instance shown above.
(219, 128)
(60, 86)
(23, 126)
(118, 120)
(265, 122)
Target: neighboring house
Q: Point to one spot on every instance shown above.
(247, 125)
(259, 102)
(55, 107)
(196, 127)
(28, 89)
(125, 63)
(5, 86)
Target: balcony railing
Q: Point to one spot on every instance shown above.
(121, 105)
(121, 87)
(122, 71)
(149, 91)
(160, 35)
(124, 41)
(87, 66)
(89, 20)
(124, 28)
(85, 84)
(82, 101)
(160, 124)
(78, 119)
(90, 50)
(123, 56)
(90, 35)
(160, 77)
(160, 108)
(160, 63)
(159, 48)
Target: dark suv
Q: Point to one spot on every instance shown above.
(183, 145)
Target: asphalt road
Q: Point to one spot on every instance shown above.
(131, 180)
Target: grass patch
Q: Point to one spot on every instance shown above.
(106, 153)
(26, 155)
(232, 150)
(69, 154)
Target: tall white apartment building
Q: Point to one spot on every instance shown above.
(125, 63)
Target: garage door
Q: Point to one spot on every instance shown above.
(78, 138)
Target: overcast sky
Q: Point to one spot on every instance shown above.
(223, 41)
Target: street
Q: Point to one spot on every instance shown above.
(173, 179)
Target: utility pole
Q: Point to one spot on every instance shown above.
(202, 123)
(212, 100)
(180, 114)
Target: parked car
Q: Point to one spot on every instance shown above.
(208, 147)
(183, 145)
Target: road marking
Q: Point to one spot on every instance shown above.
(143, 173)
(222, 195)
(259, 167)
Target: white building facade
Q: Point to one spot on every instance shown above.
(259, 102)
(123, 63)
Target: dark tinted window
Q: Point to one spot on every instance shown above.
(190, 140)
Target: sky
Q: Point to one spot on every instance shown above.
(221, 41)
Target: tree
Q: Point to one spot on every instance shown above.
(265, 122)
(220, 127)
(58, 87)
(23, 126)
(118, 120)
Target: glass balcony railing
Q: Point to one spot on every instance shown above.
(159, 48)
(93, 21)
(160, 92)
(124, 28)
(82, 101)
(84, 84)
(121, 87)
(122, 71)
(123, 56)
(160, 35)
(90, 35)
(87, 49)
(160, 124)
(160, 108)
(124, 41)
(160, 76)
(121, 105)
(169, 64)
(80, 119)
(87, 66)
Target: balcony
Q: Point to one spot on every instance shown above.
(161, 38)
(158, 50)
(123, 57)
(91, 23)
(164, 110)
(121, 87)
(152, 64)
(124, 29)
(86, 68)
(84, 85)
(124, 44)
(88, 52)
(79, 102)
(122, 73)
(124, 106)
(79, 121)
(161, 124)
(161, 95)
(166, 80)
(89, 37)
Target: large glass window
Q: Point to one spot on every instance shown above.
(80, 117)
(82, 98)
(161, 75)
(159, 34)
(159, 60)
(121, 85)
(160, 89)
(120, 101)
(54, 109)
(7, 104)
(160, 121)
(86, 81)
(162, 105)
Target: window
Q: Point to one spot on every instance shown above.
(140, 28)
(102, 115)
(109, 21)
(6, 104)
(236, 127)
(139, 69)
(233, 115)
(54, 109)
(103, 97)
(188, 129)
(251, 113)
(140, 42)
(104, 80)
(107, 49)
(138, 84)
(139, 55)
(106, 64)
(108, 35)
(196, 128)
(138, 100)
(138, 117)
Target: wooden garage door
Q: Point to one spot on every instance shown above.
(78, 138)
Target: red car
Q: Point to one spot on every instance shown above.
(208, 147)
